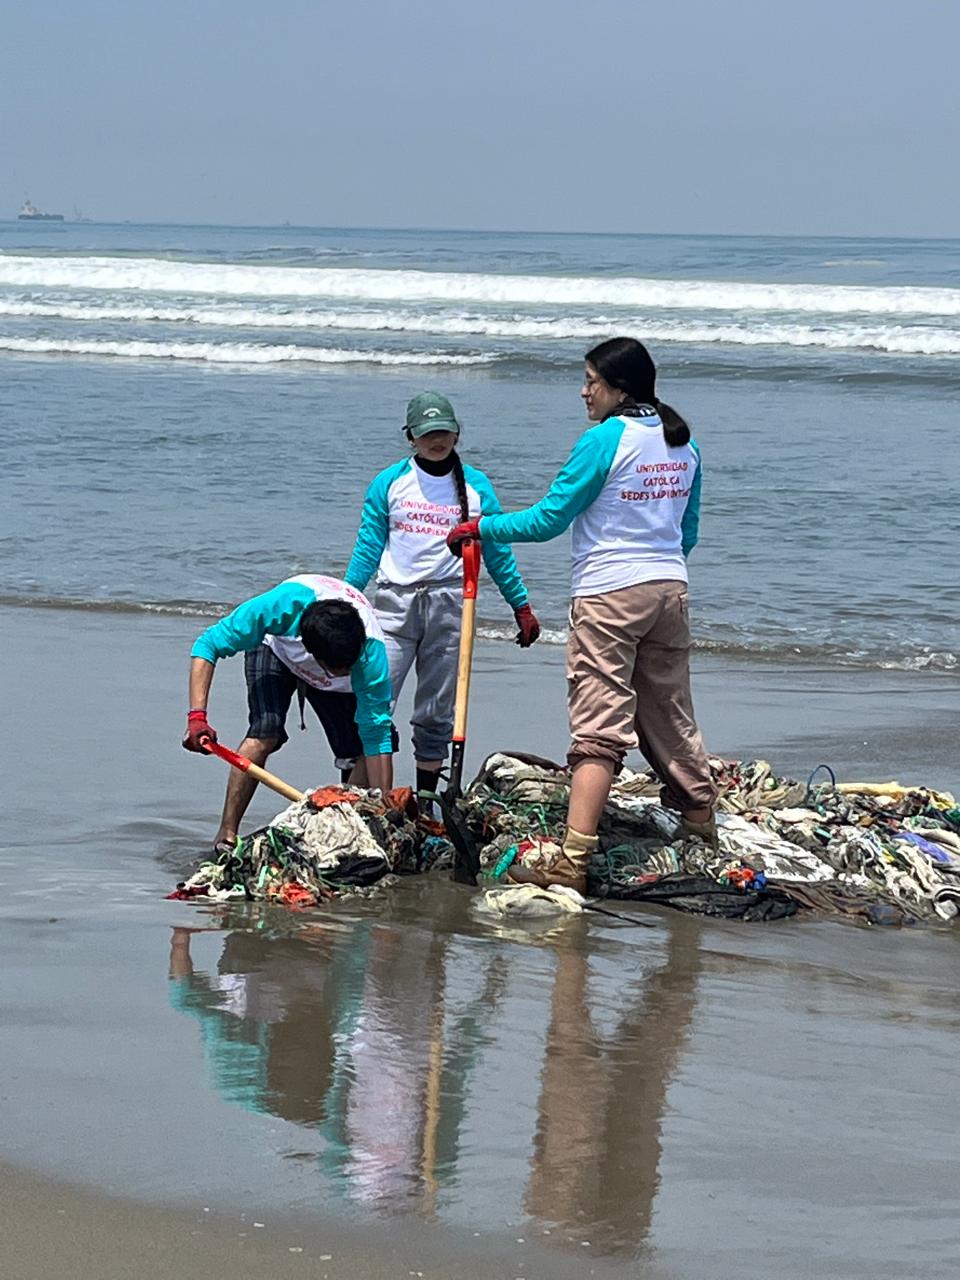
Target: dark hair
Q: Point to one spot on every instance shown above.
(627, 365)
(461, 483)
(332, 631)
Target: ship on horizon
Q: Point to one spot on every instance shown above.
(30, 213)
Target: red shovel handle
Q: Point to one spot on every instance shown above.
(471, 568)
(247, 766)
(232, 757)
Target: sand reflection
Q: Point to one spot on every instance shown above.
(450, 1077)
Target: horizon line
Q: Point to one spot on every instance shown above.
(472, 231)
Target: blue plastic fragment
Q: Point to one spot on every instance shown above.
(932, 850)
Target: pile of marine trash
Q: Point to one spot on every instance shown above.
(880, 853)
(338, 840)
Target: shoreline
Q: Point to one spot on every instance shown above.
(746, 707)
(739, 655)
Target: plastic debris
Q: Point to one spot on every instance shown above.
(336, 841)
(530, 900)
(878, 852)
(881, 853)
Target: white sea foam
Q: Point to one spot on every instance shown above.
(756, 650)
(894, 338)
(158, 275)
(854, 262)
(229, 352)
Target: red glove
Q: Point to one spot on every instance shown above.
(528, 624)
(197, 731)
(459, 534)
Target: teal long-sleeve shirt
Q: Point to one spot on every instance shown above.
(274, 618)
(407, 513)
(633, 500)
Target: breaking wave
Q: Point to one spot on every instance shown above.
(158, 275)
(892, 339)
(230, 352)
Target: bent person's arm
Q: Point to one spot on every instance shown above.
(370, 679)
(201, 678)
(275, 612)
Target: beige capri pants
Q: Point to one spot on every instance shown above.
(628, 686)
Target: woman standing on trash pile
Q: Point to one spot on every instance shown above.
(408, 511)
(631, 490)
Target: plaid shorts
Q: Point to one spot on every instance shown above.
(270, 689)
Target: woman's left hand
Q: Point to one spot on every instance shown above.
(528, 624)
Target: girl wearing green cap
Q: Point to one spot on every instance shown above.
(408, 511)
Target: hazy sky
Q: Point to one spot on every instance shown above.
(828, 116)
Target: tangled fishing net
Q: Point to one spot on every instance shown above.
(336, 841)
(882, 853)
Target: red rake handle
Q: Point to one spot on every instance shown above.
(247, 766)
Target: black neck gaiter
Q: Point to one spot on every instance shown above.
(435, 468)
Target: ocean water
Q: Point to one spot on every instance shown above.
(192, 413)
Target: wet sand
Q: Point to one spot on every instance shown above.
(50, 1230)
(408, 1089)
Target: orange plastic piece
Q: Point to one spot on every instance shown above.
(741, 877)
(325, 796)
(295, 895)
(401, 799)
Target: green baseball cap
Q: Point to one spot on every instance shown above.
(430, 411)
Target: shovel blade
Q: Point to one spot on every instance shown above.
(466, 859)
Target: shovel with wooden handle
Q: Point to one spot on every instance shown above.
(466, 862)
(247, 766)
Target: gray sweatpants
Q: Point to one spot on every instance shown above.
(421, 624)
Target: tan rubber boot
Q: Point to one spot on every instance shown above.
(705, 831)
(568, 868)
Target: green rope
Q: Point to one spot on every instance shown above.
(500, 870)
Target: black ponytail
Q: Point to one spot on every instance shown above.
(626, 364)
(460, 481)
(675, 429)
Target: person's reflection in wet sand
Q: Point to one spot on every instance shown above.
(409, 1070)
(602, 1099)
(267, 1038)
(346, 1033)
(455, 1040)
(373, 1035)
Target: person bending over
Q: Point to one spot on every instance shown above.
(313, 635)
